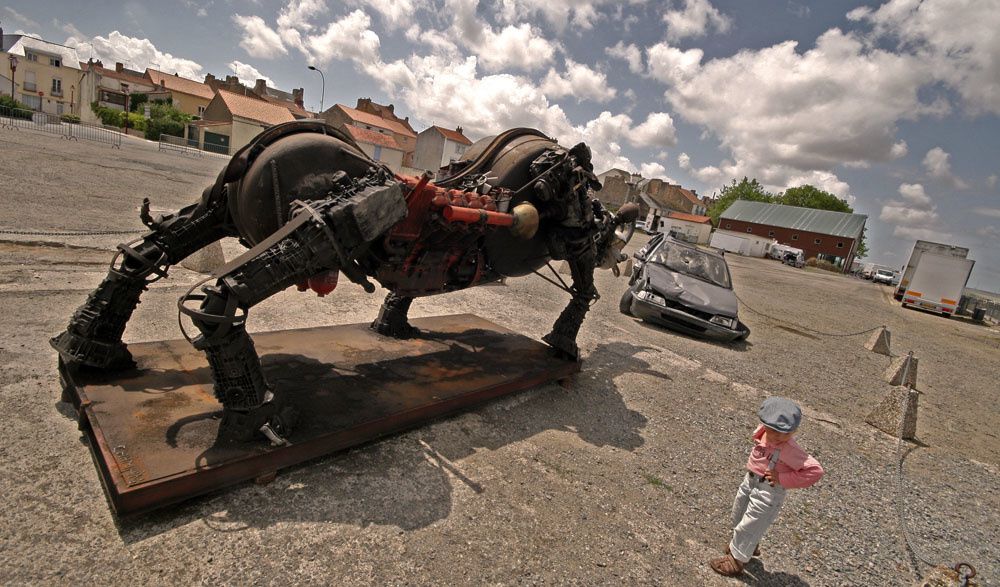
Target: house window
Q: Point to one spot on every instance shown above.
(795, 237)
(59, 108)
(29, 82)
(201, 111)
(840, 245)
(56, 86)
(30, 56)
(729, 225)
(749, 229)
(378, 153)
(770, 233)
(55, 62)
(818, 241)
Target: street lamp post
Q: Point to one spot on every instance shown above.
(323, 94)
(125, 89)
(13, 68)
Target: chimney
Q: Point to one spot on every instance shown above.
(362, 102)
(209, 78)
(260, 88)
(458, 129)
(298, 96)
(119, 67)
(392, 110)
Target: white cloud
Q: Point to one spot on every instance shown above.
(899, 150)
(956, 38)
(991, 181)
(581, 14)
(137, 54)
(349, 38)
(914, 194)
(938, 165)
(989, 232)
(991, 212)
(259, 40)
(18, 17)
(579, 81)
(514, 47)
(395, 13)
(797, 115)
(248, 74)
(628, 53)
(654, 170)
(897, 212)
(917, 233)
(657, 131)
(694, 20)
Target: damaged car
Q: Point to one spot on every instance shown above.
(684, 288)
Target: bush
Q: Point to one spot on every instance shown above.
(70, 118)
(164, 119)
(821, 264)
(15, 109)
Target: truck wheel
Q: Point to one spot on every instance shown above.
(625, 305)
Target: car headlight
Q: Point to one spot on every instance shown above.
(724, 321)
(650, 297)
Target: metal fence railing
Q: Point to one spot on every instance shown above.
(191, 147)
(990, 308)
(17, 119)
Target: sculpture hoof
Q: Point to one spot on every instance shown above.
(248, 426)
(401, 331)
(564, 347)
(77, 352)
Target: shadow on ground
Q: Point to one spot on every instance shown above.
(408, 481)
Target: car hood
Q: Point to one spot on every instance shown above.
(692, 292)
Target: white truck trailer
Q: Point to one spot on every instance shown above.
(730, 243)
(919, 248)
(937, 283)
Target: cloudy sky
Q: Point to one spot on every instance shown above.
(893, 106)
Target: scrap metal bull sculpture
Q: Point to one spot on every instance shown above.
(310, 204)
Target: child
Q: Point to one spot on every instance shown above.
(776, 463)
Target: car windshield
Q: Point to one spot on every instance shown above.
(693, 262)
(885, 273)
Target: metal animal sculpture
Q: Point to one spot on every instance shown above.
(310, 205)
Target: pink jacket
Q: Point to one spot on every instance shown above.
(795, 468)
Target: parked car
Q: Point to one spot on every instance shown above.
(885, 276)
(684, 288)
(795, 259)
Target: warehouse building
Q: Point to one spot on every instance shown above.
(821, 234)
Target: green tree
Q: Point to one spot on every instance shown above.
(164, 119)
(807, 196)
(748, 189)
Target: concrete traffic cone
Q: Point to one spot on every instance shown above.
(879, 342)
(896, 414)
(903, 371)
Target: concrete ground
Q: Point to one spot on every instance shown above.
(626, 477)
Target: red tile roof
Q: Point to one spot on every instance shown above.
(373, 120)
(294, 108)
(690, 196)
(689, 217)
(255, 108)
(180, 84)
(363, 135)
(453, 135)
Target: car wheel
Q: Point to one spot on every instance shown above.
(625, 305)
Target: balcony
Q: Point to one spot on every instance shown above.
(56, 93)
(30, 87)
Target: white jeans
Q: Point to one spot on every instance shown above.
(756, 506)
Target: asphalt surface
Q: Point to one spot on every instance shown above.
(625, 477)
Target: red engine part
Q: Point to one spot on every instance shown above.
(321, 283)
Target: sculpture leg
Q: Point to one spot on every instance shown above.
(250, 406)
(392, 317)
(582, 261)
(94, 335)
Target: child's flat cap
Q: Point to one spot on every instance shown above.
(780, 413)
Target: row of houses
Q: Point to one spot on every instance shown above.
(48, 77)
(666, 207)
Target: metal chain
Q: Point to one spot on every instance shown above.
(50, 233)
(806, 328)
(901, 511)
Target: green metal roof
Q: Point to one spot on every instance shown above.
(794, 217)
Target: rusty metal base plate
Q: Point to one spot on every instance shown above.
(153, 430)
